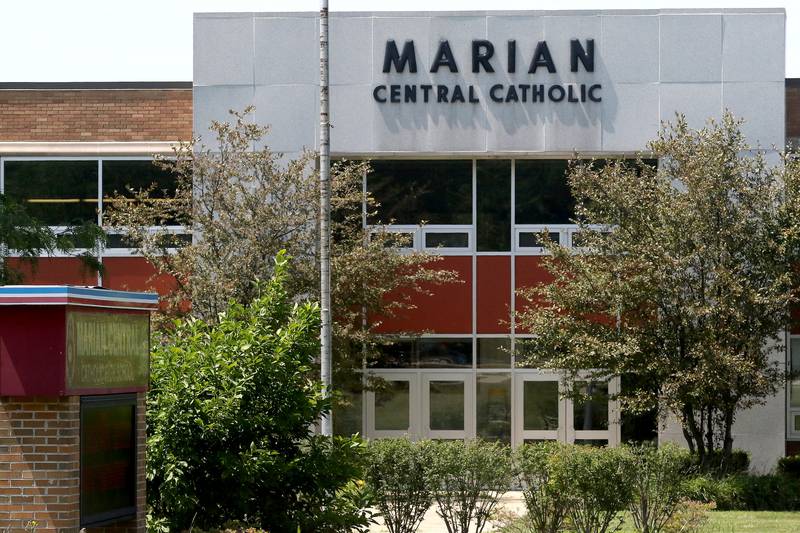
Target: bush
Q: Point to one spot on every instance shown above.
(689, 517)
(708, 489)
(229, 412)
(545, 500)
(597, 483)
(397, 474)
(716, 464)
(766, 493)
(789, 466)
(657, 483)
(467, 480)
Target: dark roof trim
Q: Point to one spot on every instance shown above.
(793, 82)
(80, 85)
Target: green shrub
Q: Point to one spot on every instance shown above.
(545, 500)
(397, 474)
(597, 482)
(658, 474)
(716, 464)
(789, 466)
(229, 412)
(708, 489)
(766, 493)
(467, 480)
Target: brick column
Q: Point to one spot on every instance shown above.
(39, 466)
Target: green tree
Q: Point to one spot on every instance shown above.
(688, 283)
(230, 413)
(26, 238)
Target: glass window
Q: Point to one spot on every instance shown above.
(445, 353)
(447, 405)
(494, 407)
(795, 354)
(399, 354)
(446, 240)
(795, 394)
(433, 191)
(57, 193)
(121, 177)
(797, 422)
(392, 406)
(541, 192)
(540, 405)
(530, 239)
(591, 411)
(494, 353)
(493, 205)
(347, 412)
(597, 443)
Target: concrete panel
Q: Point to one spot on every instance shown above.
(214, 103)
(401, 29)
(630, 116)
(629, 48)
(518, 128)
(459, 33)
(753, 47)
(526, 30)
(291, 112)
(691, 47)
(697, 101)
(286, 50)
(223, 50)
(762, 107)
(350, 132)
(348, 34)
(559, 31)
(573, 127)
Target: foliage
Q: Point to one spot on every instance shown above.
(244, 203)
(467, 480)
(397, 475)
(689, 517)
(229, 423)
(689, 280)
(597, 484)
(657, 482)
(545, 500)
(29, 239)
(718, 465)
(709, 489)
(747, 492)
(789, 466)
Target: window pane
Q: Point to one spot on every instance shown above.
(120, 176)
(540, 405)
(542, 194)
(447, 405)
(795, 394)
(410, 192)
(795, 354)
(797, 422)
(494, 353)
(597, 443)
(445, 353)
(530, 239)
(493, 205)
(446, 240)
(347, 412)
(591, 413)
(399, 354)
(494, 407)
(57, 193)
(392, 406)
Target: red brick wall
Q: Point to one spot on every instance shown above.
(39, 466)
(96, 115)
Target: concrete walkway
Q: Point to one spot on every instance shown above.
(510, 502)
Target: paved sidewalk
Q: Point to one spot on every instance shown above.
(511, 501)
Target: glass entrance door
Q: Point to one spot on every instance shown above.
(539, 413)
(447, 405)
(392, 410)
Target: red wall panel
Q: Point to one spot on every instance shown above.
(448, 309)
(135, 274)
(493, 294)
(528, 272)
(54, 271)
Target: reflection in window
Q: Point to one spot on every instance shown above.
(541, 192)
(425, 353)
(433, 191)
(591, 409)
(494, 352)
(533, 239)
(597, 443)
(795, 354)
(57, 193)
(540, 405)
(493, 205)
(445, 353)
(493, 396)
(120, 177)
(447, 405)
(447, 240)
(392, 406)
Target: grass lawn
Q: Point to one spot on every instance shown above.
(747, 521)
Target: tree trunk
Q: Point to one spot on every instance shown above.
(696, 432)
(324, 217)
